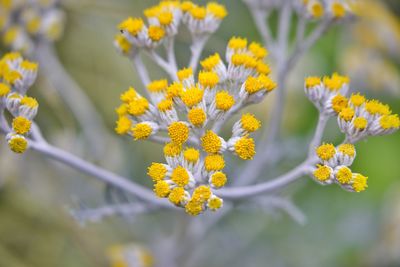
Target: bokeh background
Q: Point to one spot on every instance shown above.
(342, 229)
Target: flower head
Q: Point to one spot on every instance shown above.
(189, 109)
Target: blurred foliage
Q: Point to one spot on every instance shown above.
(343, 229)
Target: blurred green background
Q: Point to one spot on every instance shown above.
(342, 229)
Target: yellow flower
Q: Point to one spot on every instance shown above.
(178, 132)
(326, 151)
(211, 142)
(224, 101)
(21, 125)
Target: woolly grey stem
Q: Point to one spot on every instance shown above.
(198, 43)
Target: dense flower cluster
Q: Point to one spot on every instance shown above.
(23, 22)
(16, 77)
(164, 20)
(310, 9)
(187, 110)
(357, 118)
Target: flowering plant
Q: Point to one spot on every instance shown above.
(187, 111)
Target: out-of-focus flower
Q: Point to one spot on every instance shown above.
(16, 76)
(22, 23)
(132, 255)
(373, 38)
(163, 21)
(310, 9)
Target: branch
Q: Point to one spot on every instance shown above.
(270, 186)
(170, 50)
(319, 132)
(95, 171)
(198, 43)
(260, 17)
(166, 66)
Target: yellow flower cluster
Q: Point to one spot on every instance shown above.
(317, 9)
(16, 76)
(23, 22)
(164, 20)
(187, 110)
(357, 118)
(334, 167)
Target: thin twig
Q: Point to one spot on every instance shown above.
(319, 132)
(95, 171)
(269, 186)
(163, 64)
(196, 49)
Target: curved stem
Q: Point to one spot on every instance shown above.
(273, 185)
(198, 43)
(141, 70)
(78, 102)
(163, 64)
(319, 132)
(95, 171)
(170, 49)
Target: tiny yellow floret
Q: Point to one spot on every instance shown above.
(18, 144)
(245, 148)
(344, 175)
(178, 132)
(174, 90)
(214, 162)
(192, 96)
(165, 105)
(124, 124)
(180, 176)
(258, 50)
(326, 151)
(197, 116)
(157, 171)
(211, 62)
(237, 43)
(132, 25)
(138, 107)
(202, 193)
(214, 203)
(211, 142)
(156, 33)
(359, 182)
(311, 82)
(250, 123)
(4, 89)
(338, 10)
(165, 18)
(219, 11)
(357, 100)
(129, 95)
(162, 189)
(339, 102)
(184, 73)
(347, 114)
(172, 150)
(360, 123)
(317, 10)
(323, 173)
(208, 79)
(177, 195)
(224, 101)
(198, 12)
(191, 155)
(29, 102)
(252, 85)
(141, 131)
(21, 125)
(218, 179)
(194, 207)
(158, 85)
(347, 149)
